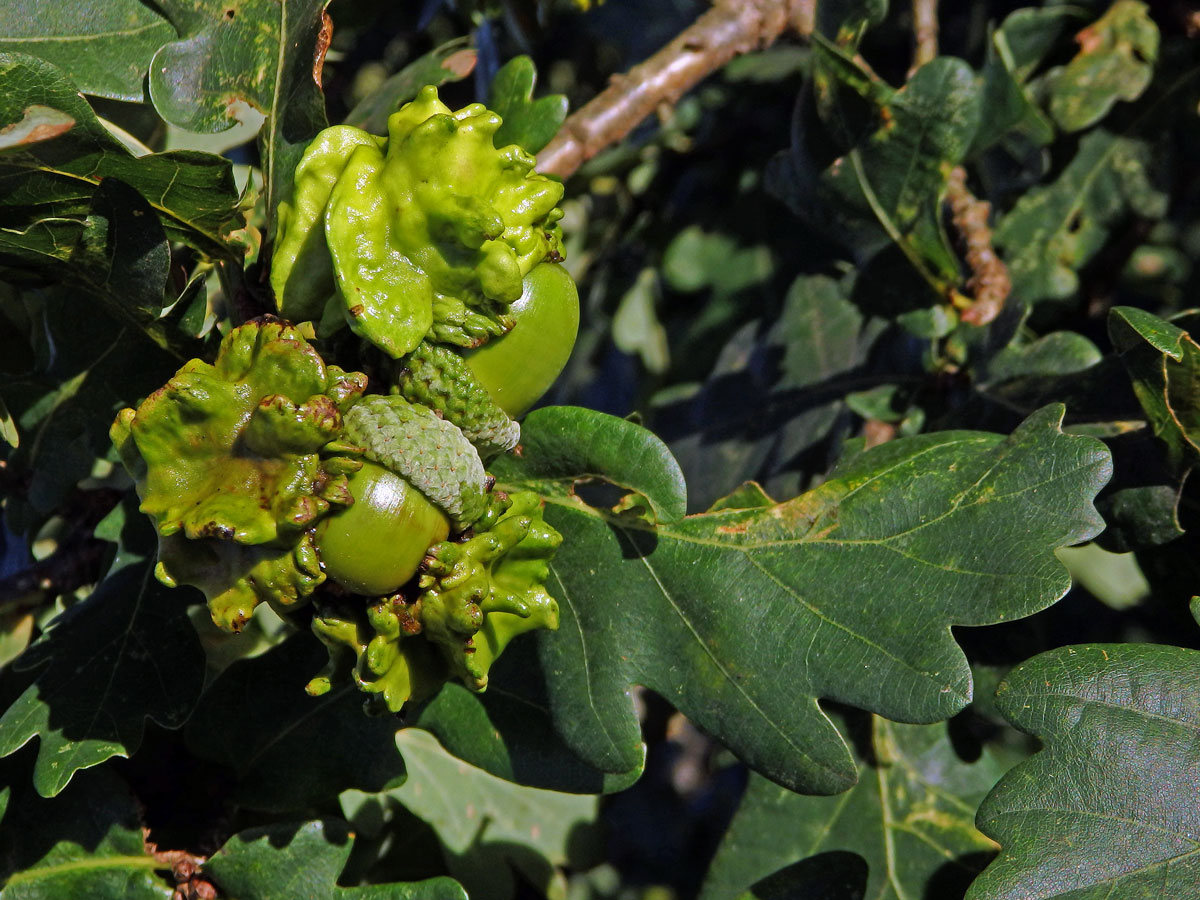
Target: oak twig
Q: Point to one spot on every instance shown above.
(729, 29)
(989, 281)
(925, 32)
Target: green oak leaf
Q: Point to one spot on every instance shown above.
(1115, 62)
(911, 819)
(118, 253)
(106, 51)
(1057, 353)
(60, 166)
(302, 862)
(569, 442)
(287, 749)
(1013, 53)
(264, 53)
(1164, 362)
(529, 123)
(508, 730)
(1055, 230)
(87, 842)
(743, 618)
(887, 189)
(483, 821)
(126, 654)
(1109, 808)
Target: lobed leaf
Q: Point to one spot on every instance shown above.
(910, 821)
(302, 862)
(567, 443)
(1109, 808)
(267, 54)
(126, 654)
(743, 619)
(1115, 62)
(87, 842)
(888, 187)
(529, 123)
(1055, 230)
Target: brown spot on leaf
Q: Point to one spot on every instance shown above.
(324, 38)
(461, 63)
(38, 123)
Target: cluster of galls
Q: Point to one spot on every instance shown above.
(272, 476)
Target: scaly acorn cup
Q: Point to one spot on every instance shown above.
(474, 597)
(428, 233)
(228, 464)
(438, 378)
(482, 390)
(422, 480)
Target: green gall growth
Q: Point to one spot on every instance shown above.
(473, 598)
(428, 232)
(227, 464)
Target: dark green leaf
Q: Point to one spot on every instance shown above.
(529, 123)
(889, 187)
(117, 254)
(568, 443)
(1164, 362)
(54, 180)
(105, 49)
(265, 53)
(87, 842)
(486, 824)
(911, 818)
(302, 862)
(1055, 230)
(290, 750)
(1014, 51)
(508, 730)
(126, 654)
(1115, 62)
(452, 61)
(743, 618)
(1057, 353)
(1109, 808)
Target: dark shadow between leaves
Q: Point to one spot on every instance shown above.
(637, 542)
(951, 880)
(95, 801)
(836, 875)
